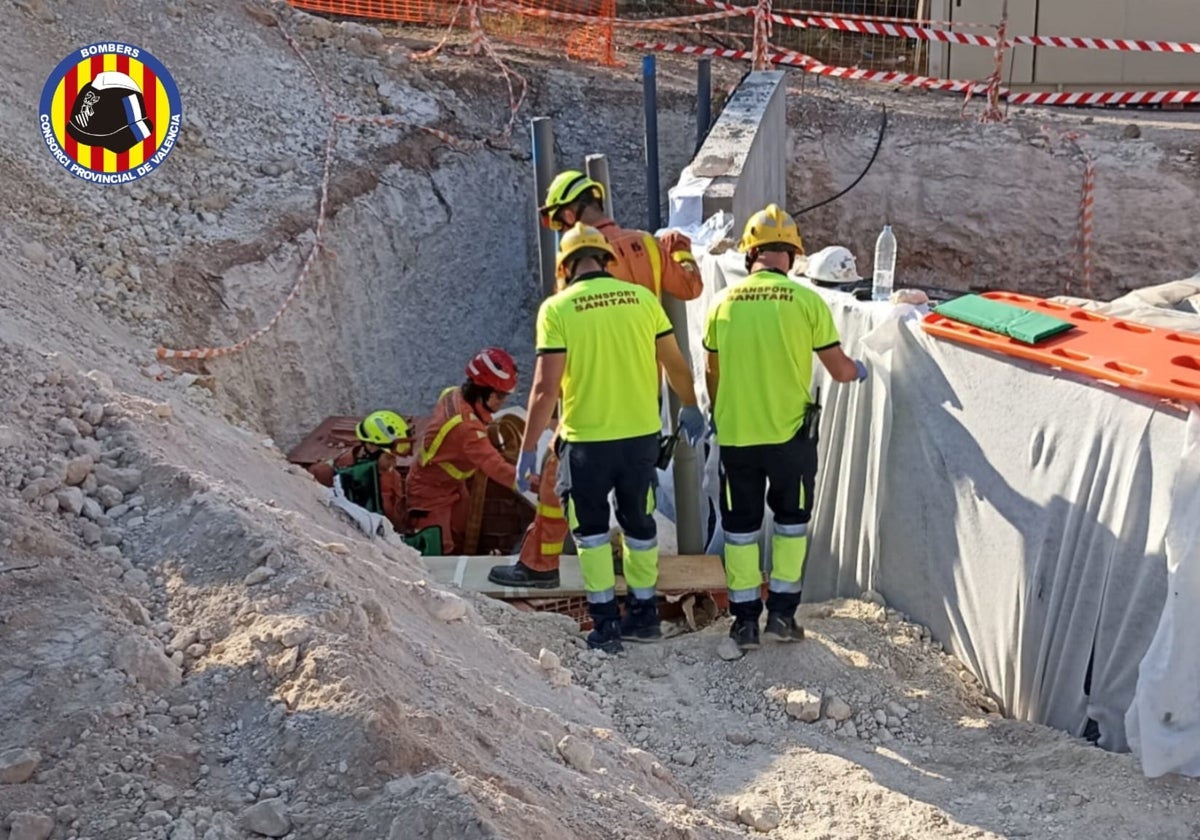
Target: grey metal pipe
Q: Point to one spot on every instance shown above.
(544, 169)
(690, 519)
(596, 167)
(689, 527)
(703, 100)
(650, 100)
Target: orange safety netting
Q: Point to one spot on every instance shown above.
(584, 28)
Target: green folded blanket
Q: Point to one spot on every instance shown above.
(1013, 321)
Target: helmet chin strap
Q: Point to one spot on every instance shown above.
(481, 409)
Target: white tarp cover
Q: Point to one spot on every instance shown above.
(1163, 724)
(1022, 513)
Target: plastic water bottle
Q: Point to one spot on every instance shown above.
(885, 265)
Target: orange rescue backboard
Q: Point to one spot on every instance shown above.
(1153, 360)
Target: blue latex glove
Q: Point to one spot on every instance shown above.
(862, 370)
(526, 467)
(691, 424)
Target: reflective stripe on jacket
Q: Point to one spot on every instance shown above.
(662, 265)
(453, 445)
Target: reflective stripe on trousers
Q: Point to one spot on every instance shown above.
(743, 568)
(789, 545)
(743, 571)
(545, 536)
(641, 566)
(596, 566)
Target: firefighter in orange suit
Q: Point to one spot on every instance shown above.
(368, 469)
(455, 444)
(663, 265)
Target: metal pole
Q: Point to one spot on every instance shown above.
(689, 524)
(596, 167)
(690, 519)
(542, 129)
(703, 100)
(650, 99)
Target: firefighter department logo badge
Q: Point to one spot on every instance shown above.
(110, 113)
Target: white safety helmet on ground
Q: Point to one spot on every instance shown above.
(832, 266)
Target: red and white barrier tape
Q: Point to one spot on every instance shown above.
(674, 22)
(1111, 97)
(319, 231)
(1121, 44)
(481, 44)
(811, 65)
(1087, 204)
(440, 45)
(476, 26)
(692, 49)
(786, 19)
(890, 77)
(889, 19)
(896, 30)
(623, 23)
(323, 203)
(762, 35)
(898, 27)
(992, 113)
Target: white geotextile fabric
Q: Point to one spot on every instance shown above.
(1172, 306)
(1020, 512)
(1163, 724)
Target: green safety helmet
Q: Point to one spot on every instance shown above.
(567, 188)
(384, 428)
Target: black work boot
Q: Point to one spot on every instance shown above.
(745, 623)
(745, 634)
(606, 630)
(781, 617)
(520, 576)
(782, 627)
(640, 623)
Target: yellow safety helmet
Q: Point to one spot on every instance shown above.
(384, 428)
(579, 242)
(567, 188)
(771, 226)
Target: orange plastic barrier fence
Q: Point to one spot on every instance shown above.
(401, 11)
(530, 22)
(1153, 360)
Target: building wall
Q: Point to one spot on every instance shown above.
(1174, 20)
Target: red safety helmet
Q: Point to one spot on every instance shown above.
(493, 368)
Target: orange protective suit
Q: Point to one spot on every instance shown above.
(391, 483)
(662, 265)
(453, 445)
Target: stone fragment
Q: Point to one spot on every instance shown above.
(803, 705)
(268, 818)
(18, 766)
(576, 753)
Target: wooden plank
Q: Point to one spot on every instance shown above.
(683, 573)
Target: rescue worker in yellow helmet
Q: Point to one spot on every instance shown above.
(663, 265)
(761, 335)
(368, 470)
(600, 342)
